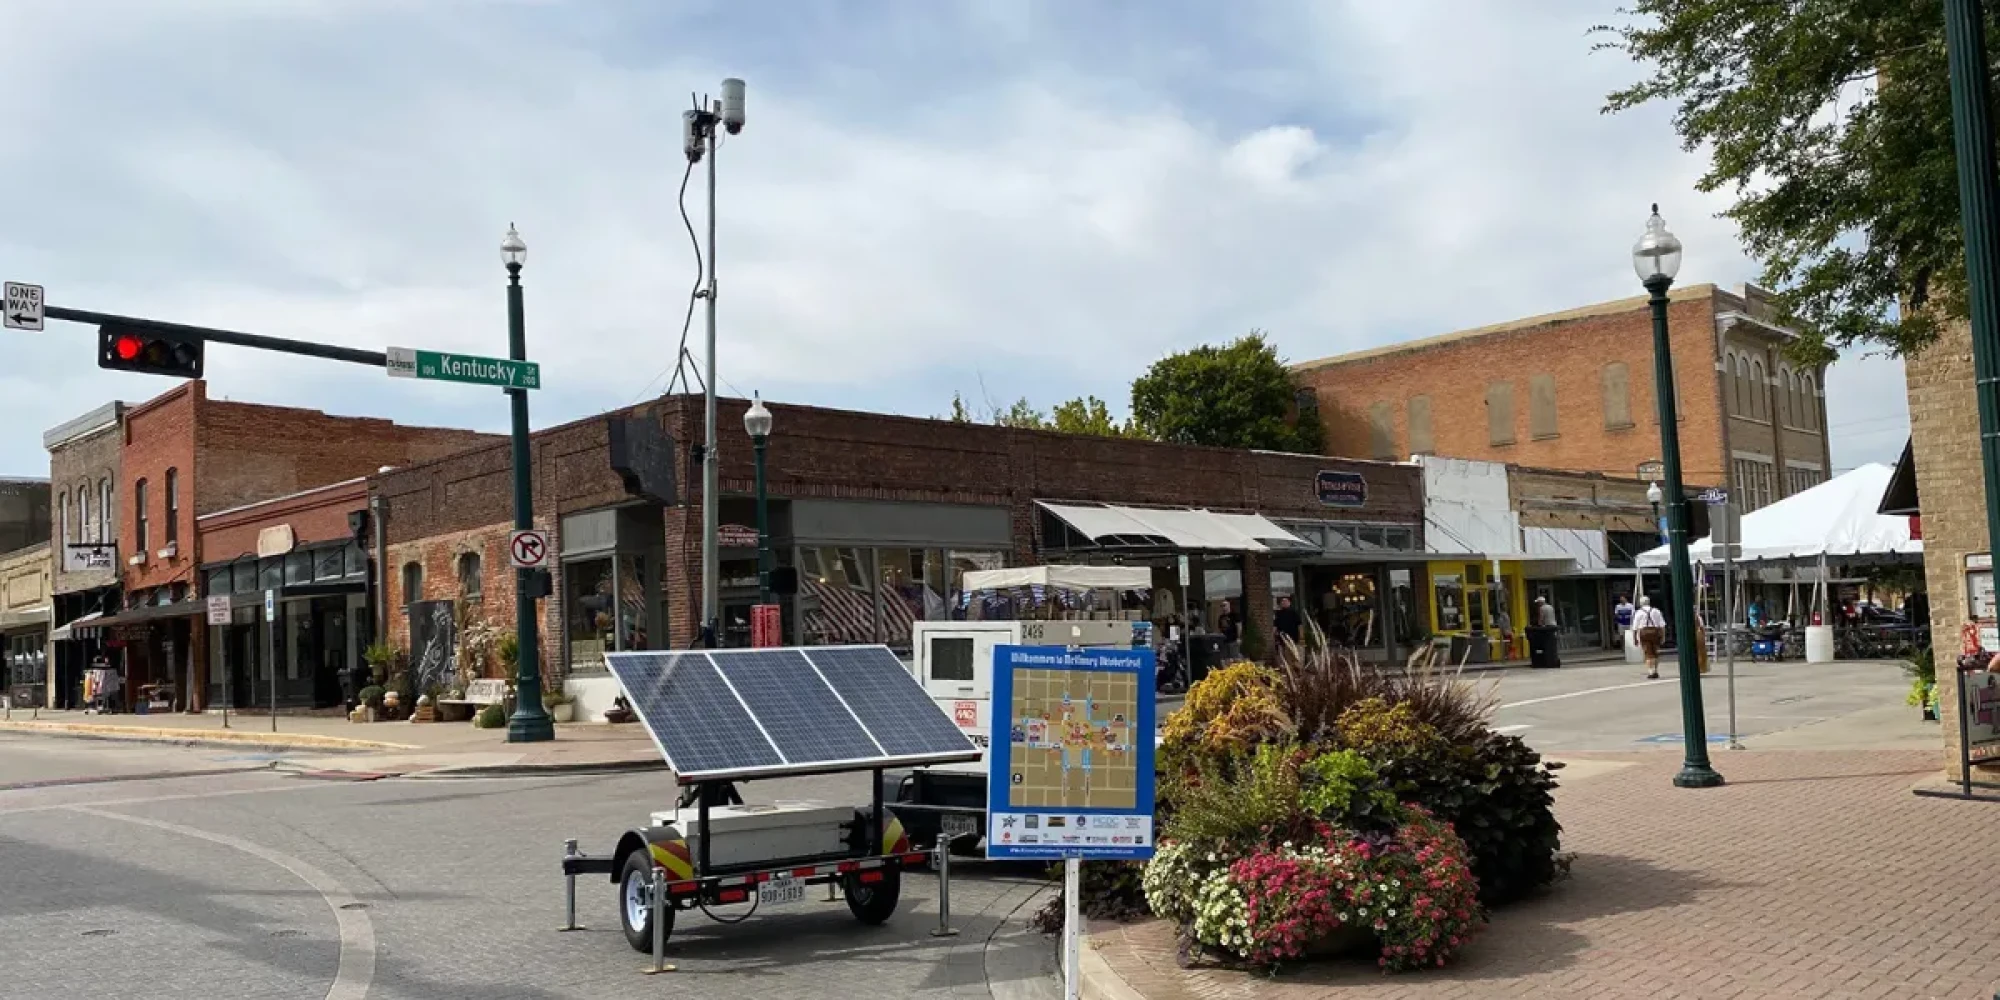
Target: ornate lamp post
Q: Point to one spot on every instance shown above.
(1657, 258)
(530, 722)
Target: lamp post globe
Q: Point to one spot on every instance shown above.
(513, 249)
(757, 421)
(1656, 258)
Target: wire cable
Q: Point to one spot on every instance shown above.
(694, 294)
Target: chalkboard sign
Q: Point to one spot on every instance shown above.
(433, 644)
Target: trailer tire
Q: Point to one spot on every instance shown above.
(634, 917)
(873, 903)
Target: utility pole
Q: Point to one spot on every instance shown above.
(699, 139)
(1979, 215)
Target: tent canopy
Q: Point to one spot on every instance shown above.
(1835, 519)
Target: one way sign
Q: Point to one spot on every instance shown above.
(23, 306)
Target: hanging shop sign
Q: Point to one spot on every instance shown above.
(1341, 489)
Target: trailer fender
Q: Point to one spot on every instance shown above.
(665, 844)
(894, 840)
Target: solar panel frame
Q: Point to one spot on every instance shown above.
(709, 659)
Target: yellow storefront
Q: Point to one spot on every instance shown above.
(1464, 594)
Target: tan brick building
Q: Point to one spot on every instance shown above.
(1574, 391)
(1944, 442)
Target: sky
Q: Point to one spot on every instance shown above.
(1000, 198)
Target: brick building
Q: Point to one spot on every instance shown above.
(84, 459)
(1574, 391)
(1944, 444)
(183, 456)
(25, 610)
(881, 517)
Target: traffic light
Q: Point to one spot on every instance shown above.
(149, 351)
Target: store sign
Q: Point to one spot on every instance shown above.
(736, 536)
(87, 558)
(1341, 489)
(275, 540)
(642, 454)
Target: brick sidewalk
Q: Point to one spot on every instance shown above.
(1812, 874)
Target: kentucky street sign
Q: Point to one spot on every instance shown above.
(528, 549)
(438, 366)
(23, 306)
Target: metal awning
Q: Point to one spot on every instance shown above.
(1900, 497)
(148, 613)
(1177, 528)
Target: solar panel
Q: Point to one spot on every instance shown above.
(890, 702)
(741, 713)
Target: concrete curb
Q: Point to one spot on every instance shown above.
(1100, 980)
(150, 734)
(448, 772)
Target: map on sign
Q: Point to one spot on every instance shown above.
(1072, 740)
(1070, 761)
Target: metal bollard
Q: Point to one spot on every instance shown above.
(569, 889)
(944, 928)
(659, 922)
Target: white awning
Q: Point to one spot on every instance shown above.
(1836, 519)
(63, 633)
(1182, 528)
(1062, 577)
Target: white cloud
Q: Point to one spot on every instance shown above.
(1010, 194)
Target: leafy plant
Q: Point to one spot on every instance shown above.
(507, 649)
(384, 659)
(1343, 787)
(1111, 890)
(1223, 805)
(490, 717)
(370, 696)
(1227, 713)
(555, 696)
(478, 640)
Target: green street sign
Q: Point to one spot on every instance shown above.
(441, 367)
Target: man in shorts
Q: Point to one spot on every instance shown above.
(1652, 628)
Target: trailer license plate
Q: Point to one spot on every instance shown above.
(960, 825)
(780, 890)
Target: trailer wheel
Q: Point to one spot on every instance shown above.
(873, 902)
(634, 913)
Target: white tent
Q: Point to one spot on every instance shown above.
(1833, 520)
(1062, 578)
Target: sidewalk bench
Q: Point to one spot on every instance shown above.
(478, 695)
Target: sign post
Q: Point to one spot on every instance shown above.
(1070, 765)
(271, 649)
(471, 369)
(1723, 532)
(218, 614)
(24, 305)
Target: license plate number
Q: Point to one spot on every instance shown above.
(960, 825)
(780, 891)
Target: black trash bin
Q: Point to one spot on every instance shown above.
(1543, 642)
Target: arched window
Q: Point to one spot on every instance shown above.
(86, 524)
(1759, 399)
(107, 525)
(1741, 385)
(1788, 384)
(1810, 394)
(470, 581)
(413, 583)
(62, 516)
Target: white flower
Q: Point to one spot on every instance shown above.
(1392, 913)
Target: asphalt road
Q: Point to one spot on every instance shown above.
(257, 883)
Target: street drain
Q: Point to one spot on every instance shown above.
(99, 932)
(354, 906)
(288, 934)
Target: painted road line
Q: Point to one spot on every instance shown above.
(1512, 729)
(1579, 694)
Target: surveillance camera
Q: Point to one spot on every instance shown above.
(732, 105)
(691, 135)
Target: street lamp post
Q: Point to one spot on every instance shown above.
(757, 421)
(1657, 258)
(698, 139)
(531, 722)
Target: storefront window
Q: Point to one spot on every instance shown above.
(837, 596)
(1403, 604)
(216, 582)
(270, 574)
(1449, 592)
(588, 603)
(1353, 614)
(243, 577)
(298, 569)
(633, 626)
(356, 559)
(329, 564)
(907, 597)
(1475, 598)
(959, 603)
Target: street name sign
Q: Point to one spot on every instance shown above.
(405, 362)
(23, 305)
(528, 549)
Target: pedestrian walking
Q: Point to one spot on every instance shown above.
(1652, 628)
(1230, 628)
(1286, 621)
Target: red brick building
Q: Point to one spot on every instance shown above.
(881, 517)
(183, 456)
(1574, 391)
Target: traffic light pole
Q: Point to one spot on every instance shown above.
(306, 348)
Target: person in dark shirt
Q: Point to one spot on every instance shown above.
(1287, 619)
(1227, 624)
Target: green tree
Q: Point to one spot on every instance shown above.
(1830, 121)
(1238, 396)
(1086, 415)
(959, 413)
(1021, 414)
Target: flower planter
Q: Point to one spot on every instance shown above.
(563, 712)
(1344, 943)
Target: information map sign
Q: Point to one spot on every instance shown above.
(1070, 766)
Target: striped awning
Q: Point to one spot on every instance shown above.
(834, 613)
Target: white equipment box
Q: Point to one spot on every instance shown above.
(756, 834)
(954, 662)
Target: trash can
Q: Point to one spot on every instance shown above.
(1543, 641)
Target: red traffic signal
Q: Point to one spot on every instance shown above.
(149, 351)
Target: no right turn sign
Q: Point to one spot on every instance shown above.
(528, 549)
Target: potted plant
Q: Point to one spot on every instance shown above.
(561, 707)
(1922, 668)
(371, 702)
